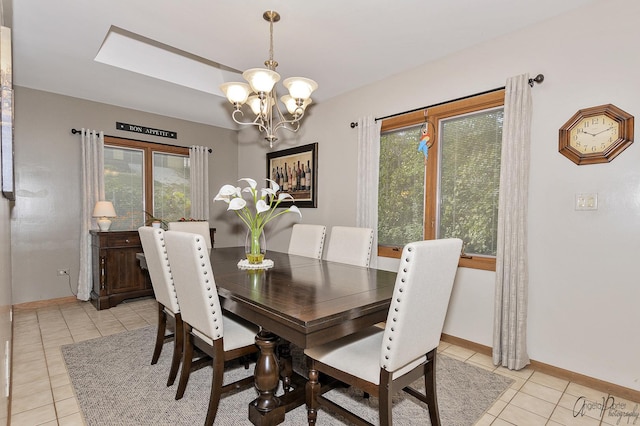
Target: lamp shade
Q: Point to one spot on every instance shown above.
(237, 93)
(300, 87)
(104, 209)
(260, 107)
(292, 105)
(261, 79)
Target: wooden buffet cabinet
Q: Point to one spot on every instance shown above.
(117, 275)
(116, 272)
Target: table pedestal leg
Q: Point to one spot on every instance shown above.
(286, 365)
(266, 409)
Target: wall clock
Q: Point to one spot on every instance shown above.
(596, 135)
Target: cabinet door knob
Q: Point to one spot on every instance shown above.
(126, 241)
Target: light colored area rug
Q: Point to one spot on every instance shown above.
(115, 384)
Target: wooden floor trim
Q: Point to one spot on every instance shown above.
(561, 373)
(45, 303)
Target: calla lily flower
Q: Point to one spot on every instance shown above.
(294, 209)
(252, 183)
(225, 193)
(237, 204)
(262, 207)
(284, 195)
(265, 204)
(268, 191)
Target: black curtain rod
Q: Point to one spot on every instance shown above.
(74, 131)
(537, 79)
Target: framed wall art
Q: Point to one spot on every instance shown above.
(296, 171)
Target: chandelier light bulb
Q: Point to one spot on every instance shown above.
(300, 87)
(260, 106)
(236, 93)
(261, 79)
(292, 105)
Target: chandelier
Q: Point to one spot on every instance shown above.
(260, 94)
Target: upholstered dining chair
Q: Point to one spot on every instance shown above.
(350, 245)
(219, 336)
(155, 254)
(382, 362)
(307, 240)
(196, 227)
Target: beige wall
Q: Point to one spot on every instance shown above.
(584, 290)
(45, 224)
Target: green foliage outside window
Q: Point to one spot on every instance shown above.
(124, 186)
(401, 188)
(469, 180)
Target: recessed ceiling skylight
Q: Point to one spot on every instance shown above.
(130, 51)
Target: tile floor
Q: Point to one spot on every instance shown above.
(43, 395)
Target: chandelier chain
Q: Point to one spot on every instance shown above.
(271, 41)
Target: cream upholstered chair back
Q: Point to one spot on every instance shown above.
(195, 227)
(420, 301)
(307, 240)
(155, 254)
(350, 245)
(194, 282)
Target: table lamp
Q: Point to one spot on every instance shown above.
(104, 210)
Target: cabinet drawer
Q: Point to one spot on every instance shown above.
(124, 239)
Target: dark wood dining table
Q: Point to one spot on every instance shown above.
(300, 300)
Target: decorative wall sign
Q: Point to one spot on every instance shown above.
(296, 171)
(146, 130)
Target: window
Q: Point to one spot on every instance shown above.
(143, 176)
(456, 193)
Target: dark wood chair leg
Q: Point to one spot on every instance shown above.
(216, 383)
(187, 358)
(430, 388)
(177, 350)
(385, 397)
(312, 391)
(162, 327)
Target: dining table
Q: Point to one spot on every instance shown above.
(298, 301)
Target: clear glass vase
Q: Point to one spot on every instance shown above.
(255, 246)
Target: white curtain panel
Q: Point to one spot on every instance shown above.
(367, 179)
(199, 173)
(510, 316)
(92, 191)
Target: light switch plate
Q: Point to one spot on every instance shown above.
(586, 201)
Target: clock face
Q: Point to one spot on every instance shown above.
(594, 134)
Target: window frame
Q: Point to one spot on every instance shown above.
(148, 148)
(434, 114)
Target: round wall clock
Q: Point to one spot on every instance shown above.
(596, 135)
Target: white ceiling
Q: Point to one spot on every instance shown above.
(342, 44)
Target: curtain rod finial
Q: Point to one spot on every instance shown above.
(537, 79)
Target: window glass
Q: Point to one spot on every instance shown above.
(452, 194)
(171, 196)
(469, 179)
(124, 186)
(146, 177)
(401, 188)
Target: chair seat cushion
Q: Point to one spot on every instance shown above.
(237, 333)
(358, 354)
